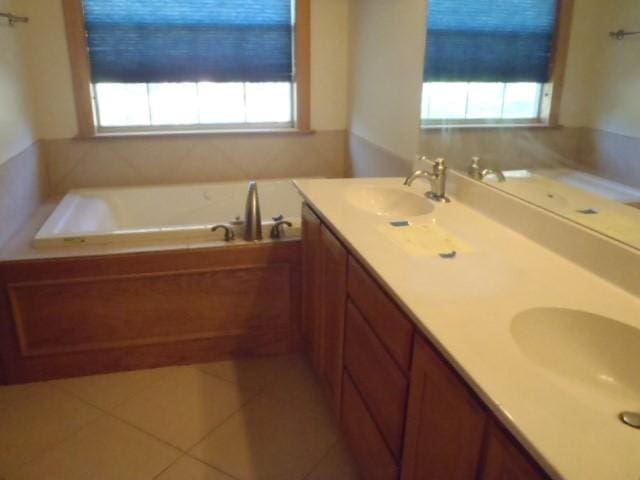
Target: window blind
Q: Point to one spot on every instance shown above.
(490, 40)
(148, 41)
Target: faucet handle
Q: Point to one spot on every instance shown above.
(277, 229)
(229, 234)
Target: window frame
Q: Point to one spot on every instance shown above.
(551, 95)
(84, 95)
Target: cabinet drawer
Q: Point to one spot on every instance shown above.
(385, 318)
(382, 384)
(367, 445)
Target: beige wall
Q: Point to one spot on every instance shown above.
(386, 59)
(16, 125)
(603, 75)
(615, 98)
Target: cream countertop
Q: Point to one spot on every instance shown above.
(465, 307)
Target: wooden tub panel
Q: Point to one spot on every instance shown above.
(89, 315)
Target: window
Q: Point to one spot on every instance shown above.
(145, 65)
(493, 62)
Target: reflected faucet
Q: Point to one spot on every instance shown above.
(437, 178)
(252, 219)
(476, 172)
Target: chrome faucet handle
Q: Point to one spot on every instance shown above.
(229, 234)
(499, 175)
(277, 230)
(476, 171)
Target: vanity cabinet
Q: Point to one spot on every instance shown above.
(445, 423)
(333, 295)
(505, 460)
(405, 412)
(377, 356)
(324, 299)
(311, 270)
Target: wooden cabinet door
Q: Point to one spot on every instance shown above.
(333, 303)
(504, 460)
(311, 282)
(445, 423)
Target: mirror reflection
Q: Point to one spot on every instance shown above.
(540, 98)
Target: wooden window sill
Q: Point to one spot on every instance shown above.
(485, 126)
(196, 132)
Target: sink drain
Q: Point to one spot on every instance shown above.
(631, 418)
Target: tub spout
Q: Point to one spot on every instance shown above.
(252, 219)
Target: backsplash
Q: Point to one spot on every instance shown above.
(606, 154)
(504, 148)
(191, 158)
(366, 159)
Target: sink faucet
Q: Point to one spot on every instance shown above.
(252, 219)
(437, 178)
(476, 172)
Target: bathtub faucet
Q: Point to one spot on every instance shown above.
(252, 219)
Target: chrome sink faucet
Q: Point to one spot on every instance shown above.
(252, 218)
(437, 178)
(476, 172)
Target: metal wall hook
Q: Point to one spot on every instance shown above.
(622, 34)
(13, 19)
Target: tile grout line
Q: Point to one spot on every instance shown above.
(222, 422)
(55, 445)
(165, 442)
(70, 392)
(189, 452)
(325, 455)
(214, 467)
(115, 417)
(180, 457)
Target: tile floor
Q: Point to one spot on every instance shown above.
(252, 419)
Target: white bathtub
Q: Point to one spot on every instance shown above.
(157, 213)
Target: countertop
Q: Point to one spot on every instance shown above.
(465, 306)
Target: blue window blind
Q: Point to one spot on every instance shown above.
(490, 40)
(147, 41)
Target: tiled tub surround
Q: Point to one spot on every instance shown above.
(260, 418)
(23, 187)
(171, 159)
(465, 306)
(366, 159)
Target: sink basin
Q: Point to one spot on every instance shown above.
(593, 350)
(389, 201)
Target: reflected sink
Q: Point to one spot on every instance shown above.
(593, 350)
(389, 201)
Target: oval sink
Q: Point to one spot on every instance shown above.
(596, 351)
(389, 201)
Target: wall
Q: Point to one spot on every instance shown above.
(386, 61)
(601, 89)
(22, 176)
(123, 161)
(16, 130)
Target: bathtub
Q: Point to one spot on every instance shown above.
(164, 213)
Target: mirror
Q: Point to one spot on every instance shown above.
(546, 92)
